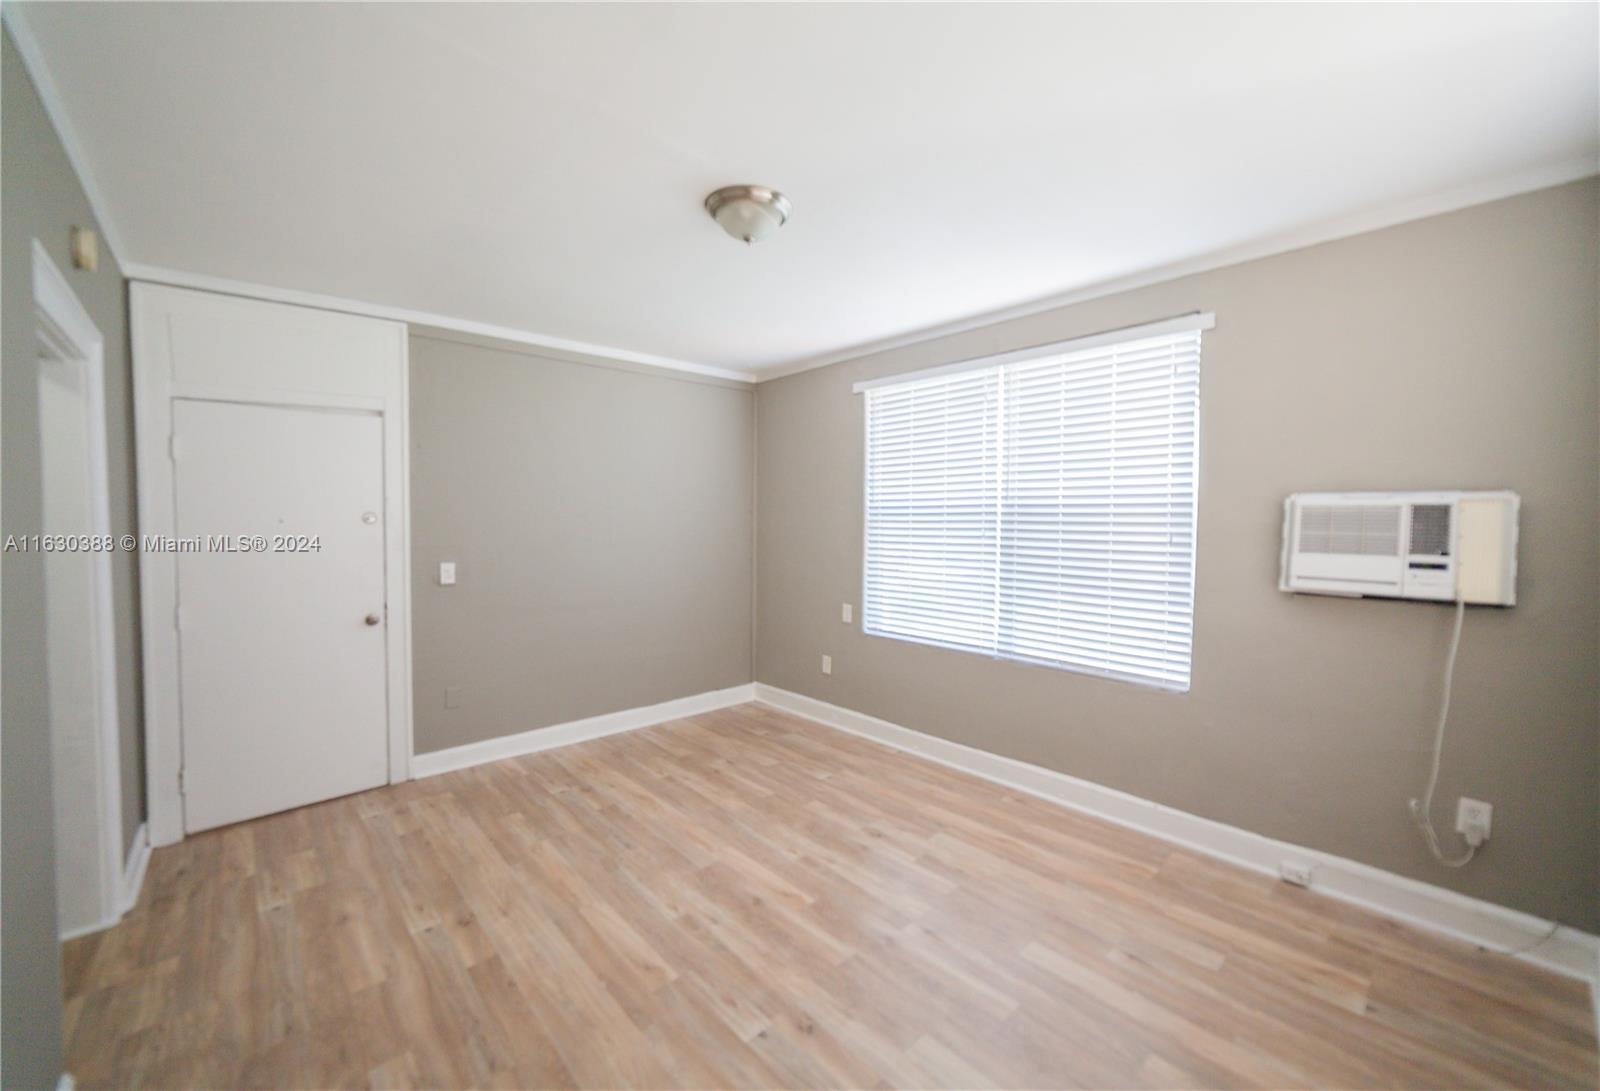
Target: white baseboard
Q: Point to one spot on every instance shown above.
(68, 934)
(128, 885)
(133, 871)
(1569, 951)
(594, 727)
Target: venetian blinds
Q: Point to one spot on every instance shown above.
(1041, 506)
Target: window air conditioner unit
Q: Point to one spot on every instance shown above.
(1435, 546)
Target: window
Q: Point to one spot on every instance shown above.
(1040, 506)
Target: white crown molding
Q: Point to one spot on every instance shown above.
(594, 727)
(33, 60)
(1568, 951)
(39, 70)
(1330, 230)
(178, 278)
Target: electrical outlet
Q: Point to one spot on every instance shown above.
(1295, 872)
(1473, 819)
(847, 613)
(827, 664)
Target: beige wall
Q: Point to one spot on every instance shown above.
(43, 199)
(1461, 351)
(601, 520)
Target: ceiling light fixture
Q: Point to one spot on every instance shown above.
(748, 213)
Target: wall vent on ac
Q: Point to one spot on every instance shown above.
(1438, 546)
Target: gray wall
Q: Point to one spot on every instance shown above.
(601, 520)
(42, 199)
(1460, 351)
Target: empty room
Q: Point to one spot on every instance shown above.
(695, 546)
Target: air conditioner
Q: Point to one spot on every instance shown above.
(1437, 546)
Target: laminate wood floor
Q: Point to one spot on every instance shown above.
(748, 899)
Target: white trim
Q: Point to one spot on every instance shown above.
(402, 702)
(70, 934)
(163, 749)
(53, 296)
(177, 278)
(575, 731)
(130, 880)
(72, 336)
(1283, 242)
(154, 389)
(1570, 951)
(44, 83)
(133, 871)
(1199, 320)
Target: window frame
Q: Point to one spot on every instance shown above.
(1198, 322)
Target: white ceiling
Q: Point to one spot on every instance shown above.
(541, 168)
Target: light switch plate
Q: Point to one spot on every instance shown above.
(452, 697)
(447, 573)
(847, 613)
(827, 664)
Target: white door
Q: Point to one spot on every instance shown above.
(282, 654)
(77, 640)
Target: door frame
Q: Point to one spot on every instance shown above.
(66, 333)
(156, 312)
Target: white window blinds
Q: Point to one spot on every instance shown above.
(1042, 508)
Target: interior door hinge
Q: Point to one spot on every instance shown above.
(177, 618)
(182, 786)
(173, 446)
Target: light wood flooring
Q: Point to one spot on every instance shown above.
(748, 899)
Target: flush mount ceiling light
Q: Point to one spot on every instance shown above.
(748, 213)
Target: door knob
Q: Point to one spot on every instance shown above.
(373, 619)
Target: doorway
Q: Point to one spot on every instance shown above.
(80, 648)
(272, 457)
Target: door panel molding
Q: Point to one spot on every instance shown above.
(207, 346)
